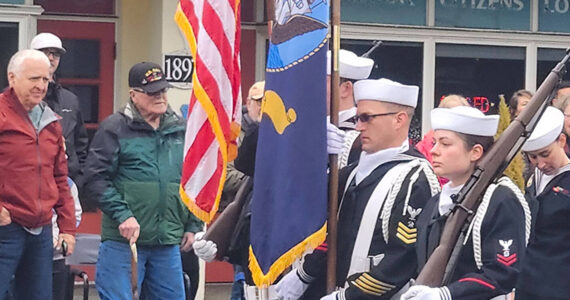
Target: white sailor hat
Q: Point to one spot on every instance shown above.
(386, 90)
(464, 119)
(351, 65)
(546, 131)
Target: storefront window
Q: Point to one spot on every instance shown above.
(79, 7)
(9, 42)
(480, 73)
(399, 61)
(553, 15)
(406, 12)
(547, 59)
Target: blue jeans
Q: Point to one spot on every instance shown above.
(28, 259)
(237, 286)
(159, 270)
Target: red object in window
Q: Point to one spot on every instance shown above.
(482, 103)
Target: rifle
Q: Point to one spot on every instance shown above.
(440, 266)
(222, 229)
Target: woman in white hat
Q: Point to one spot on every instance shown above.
(546, 269)
(488, 265)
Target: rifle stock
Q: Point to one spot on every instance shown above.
(220, 232)
(437, 269)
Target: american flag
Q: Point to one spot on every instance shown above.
(212, 29)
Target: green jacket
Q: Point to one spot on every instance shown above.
(134, 170)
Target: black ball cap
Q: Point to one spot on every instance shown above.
(147, 76)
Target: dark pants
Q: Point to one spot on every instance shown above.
(60, 278)
(191, 267)
(27, 258)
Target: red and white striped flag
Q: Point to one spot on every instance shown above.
(212, 29)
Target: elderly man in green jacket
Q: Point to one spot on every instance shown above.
(133, 171)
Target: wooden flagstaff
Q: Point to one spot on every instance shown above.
(333, 158)
(270, 14)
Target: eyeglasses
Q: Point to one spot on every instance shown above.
(157, 94)
(365, 118)
(54, 52)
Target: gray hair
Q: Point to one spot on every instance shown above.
(17, 59)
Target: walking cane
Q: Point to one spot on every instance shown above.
(134, 276)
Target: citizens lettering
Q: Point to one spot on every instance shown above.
(515, 5)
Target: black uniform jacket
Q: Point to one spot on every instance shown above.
(399, 263)
(66, 104)
(546, 269)
(502, 247)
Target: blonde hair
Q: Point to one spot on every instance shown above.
(453, 100)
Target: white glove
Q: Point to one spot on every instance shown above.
(335, 139)
(422, 292)
(204, 249)
(331, 296)
(291, 287)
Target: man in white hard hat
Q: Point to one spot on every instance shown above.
(65, 104)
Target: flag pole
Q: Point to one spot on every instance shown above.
(333, 159)
(270, 14)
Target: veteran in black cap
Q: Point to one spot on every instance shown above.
(546, 268)
(489, 263)
(133, 171)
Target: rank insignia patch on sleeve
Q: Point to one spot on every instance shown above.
(507, 257)
(406, 234)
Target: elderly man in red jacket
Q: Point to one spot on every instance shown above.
(33, 180)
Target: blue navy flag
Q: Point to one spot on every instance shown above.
(289, 206)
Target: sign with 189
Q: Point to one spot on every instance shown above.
(178, 69)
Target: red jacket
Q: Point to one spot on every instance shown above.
(33, 169)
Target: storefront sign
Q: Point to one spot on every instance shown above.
(404, 12)
(493, 14)
(554, 15)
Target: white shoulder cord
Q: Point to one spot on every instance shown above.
(351, 136)
(432, 181)
(476, 224)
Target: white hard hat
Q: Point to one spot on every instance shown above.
(46, 40)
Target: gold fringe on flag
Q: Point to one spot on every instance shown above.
(286, 260)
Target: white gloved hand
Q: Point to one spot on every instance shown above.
(331, 296)
(422, 292)
(335, 139)
(204, 249)
(291, 287)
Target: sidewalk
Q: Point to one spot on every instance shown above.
(214, 291)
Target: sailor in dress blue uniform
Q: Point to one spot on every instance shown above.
(546, 269)
(489, 262)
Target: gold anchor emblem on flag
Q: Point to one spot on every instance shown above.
(272, 105)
